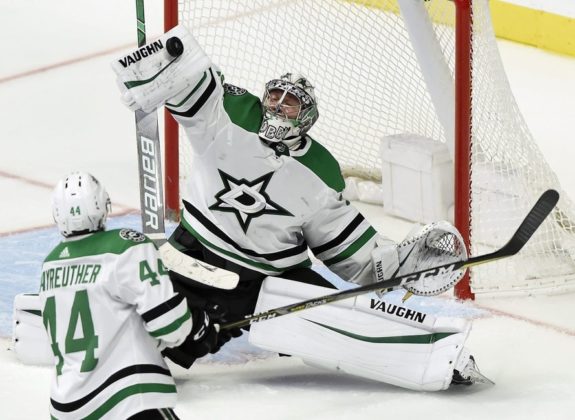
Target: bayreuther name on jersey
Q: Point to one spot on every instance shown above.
(399, 311)
(141, 53)
(54, 278)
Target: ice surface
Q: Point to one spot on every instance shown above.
(69, 117)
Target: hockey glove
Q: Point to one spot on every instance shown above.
(152, 74)
(203, 339)
(435, 244)
(204, 335)
(218, 314)
(432, 245)
(385, 259)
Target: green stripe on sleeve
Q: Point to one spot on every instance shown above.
(128, 392)
(167, 414)
(353, 248)
(170, 328)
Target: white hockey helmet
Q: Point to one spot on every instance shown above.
(80, 204)
(290, 109)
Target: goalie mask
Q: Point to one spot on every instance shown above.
(289, 108)
(80, 204)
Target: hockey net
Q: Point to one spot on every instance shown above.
(386, 67)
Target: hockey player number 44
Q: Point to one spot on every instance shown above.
(79, 314)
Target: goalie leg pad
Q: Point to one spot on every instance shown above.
(150, 75)
(29, 338)
(363, 336)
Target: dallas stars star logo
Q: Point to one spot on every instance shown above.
(246, 199)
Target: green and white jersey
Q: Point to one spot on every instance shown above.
(109, 308)
(259, 206)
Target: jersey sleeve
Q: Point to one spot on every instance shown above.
(335, 231)
(342, 238)
(142, 280)
(199, 109)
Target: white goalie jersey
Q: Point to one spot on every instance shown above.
(262, 205)
(109, 308)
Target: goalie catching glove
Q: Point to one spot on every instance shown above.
(152, 74)
(433, 245)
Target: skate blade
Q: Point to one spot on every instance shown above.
(478, 378)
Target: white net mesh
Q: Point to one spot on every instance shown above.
(363, 93)
(369, 84)
(509, 173)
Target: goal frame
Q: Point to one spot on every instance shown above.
(462, 131)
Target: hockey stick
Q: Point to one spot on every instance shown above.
(152, 190)
(530, 224)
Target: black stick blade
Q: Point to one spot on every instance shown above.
(531, 223)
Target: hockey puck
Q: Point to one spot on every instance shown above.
(174, 46)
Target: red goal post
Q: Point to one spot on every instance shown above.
(447, 84)
(171, 134)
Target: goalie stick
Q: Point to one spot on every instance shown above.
(152, 191)
(530, 224)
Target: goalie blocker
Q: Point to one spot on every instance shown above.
(365, 336)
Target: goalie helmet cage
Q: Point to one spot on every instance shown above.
(386, 67)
